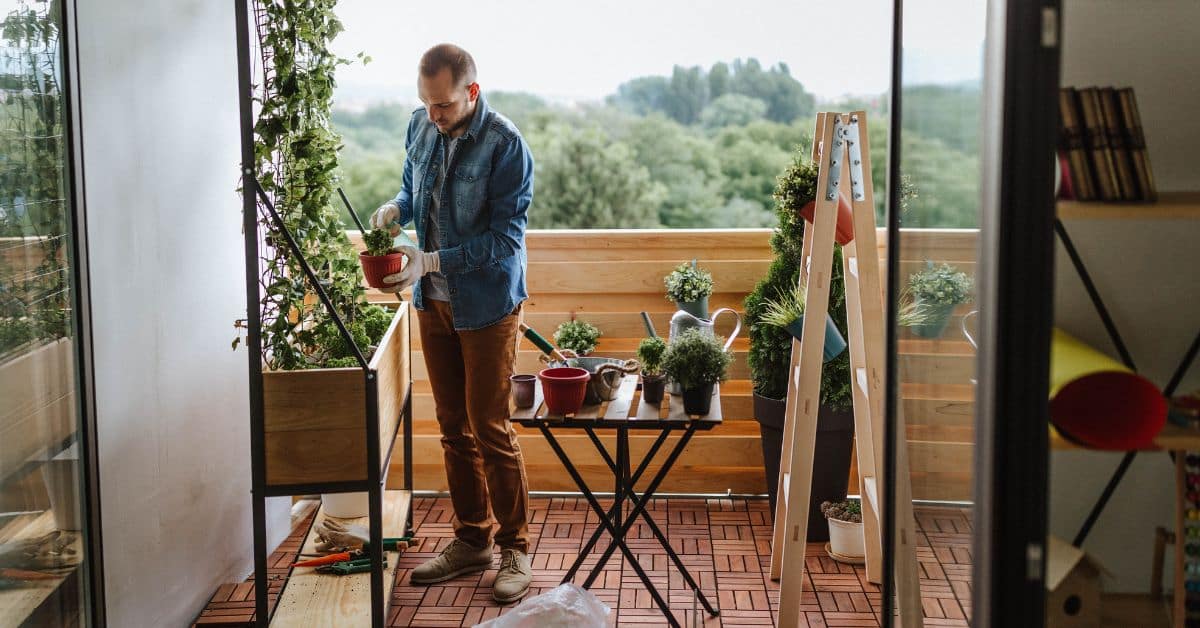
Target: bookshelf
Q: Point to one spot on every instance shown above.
(1170, 206)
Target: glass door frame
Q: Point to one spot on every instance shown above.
(1015, 286)
(93, 610)
(1017, 290)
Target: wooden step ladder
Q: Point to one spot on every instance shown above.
(845, 156)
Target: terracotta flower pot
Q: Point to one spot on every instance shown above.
(564, 388)
(845, 219)
(376, 267)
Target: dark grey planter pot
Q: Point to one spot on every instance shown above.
(831, 462)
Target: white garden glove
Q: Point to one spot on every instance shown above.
(419, 264)
(334, 535)
(387, 217)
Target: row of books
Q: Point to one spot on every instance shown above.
(1102, 150)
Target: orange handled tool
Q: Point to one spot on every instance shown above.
(330, 559)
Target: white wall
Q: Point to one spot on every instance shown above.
(161, 149)
(1148, 272)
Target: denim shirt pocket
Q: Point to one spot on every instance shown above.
(470, 194)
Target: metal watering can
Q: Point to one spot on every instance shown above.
(683, 320)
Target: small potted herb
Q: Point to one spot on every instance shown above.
(380, 259)
(845, 530)
(787, 312)
(696, 361)
(650, 353)
(936, 290)
(689, 286)
(578, 336)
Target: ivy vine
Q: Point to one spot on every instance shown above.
(295, 152)
(35, 292)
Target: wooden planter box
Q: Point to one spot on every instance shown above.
(37, 403)
(315, 420)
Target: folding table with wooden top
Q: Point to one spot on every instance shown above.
(622, 415)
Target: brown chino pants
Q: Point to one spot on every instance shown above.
(469, 371)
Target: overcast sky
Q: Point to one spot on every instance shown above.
(570, 50)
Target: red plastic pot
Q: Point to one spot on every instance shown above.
(845, 219)
(376, 267)
(564, 388)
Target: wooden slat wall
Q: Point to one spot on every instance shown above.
(608, 276)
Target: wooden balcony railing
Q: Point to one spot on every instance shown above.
(608, 277)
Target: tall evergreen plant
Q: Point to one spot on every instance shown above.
(770, 346)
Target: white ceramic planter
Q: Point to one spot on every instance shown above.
(846, 539)
(350, 505)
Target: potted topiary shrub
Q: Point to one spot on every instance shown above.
(650, 353)
(771, 350)
(381, 258)
(787, 311)
(578, 336)
(845, 530)
(689, 286)
(696, 361)
(936, 290)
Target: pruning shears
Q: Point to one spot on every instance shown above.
(345, 568)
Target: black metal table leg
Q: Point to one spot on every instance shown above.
(639, 505)
(617, 534)
(637, 475)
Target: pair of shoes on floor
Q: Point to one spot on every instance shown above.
(459, 558)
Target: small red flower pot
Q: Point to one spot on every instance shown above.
(845, 219)
(564, 388)
(376, 267)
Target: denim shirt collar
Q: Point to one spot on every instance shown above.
(481, 111)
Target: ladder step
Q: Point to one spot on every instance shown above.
(872, 493)
(787, 488)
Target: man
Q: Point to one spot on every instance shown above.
(468, 182)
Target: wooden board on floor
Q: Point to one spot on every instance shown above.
(316, 600)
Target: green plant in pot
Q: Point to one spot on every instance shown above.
(771, 350)
(578, 336)
(696, 361)
(381, 258)
(787, 311)
(689, 286)
(650, 353)
(936, 291)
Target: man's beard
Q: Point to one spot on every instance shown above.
(466, 119)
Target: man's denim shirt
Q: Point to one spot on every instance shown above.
(482, 214)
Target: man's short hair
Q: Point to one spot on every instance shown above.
(460, 62)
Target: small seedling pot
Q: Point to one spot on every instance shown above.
(522, 389)
(376, 267)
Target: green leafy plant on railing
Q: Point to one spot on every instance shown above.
(35, 294)
(650, 353)
(295, 152)
(578, 336)
(378, 242)
(942, 284)
(688, 282)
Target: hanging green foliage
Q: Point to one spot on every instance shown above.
(296, 153)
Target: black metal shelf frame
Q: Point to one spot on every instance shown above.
(255, 199)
